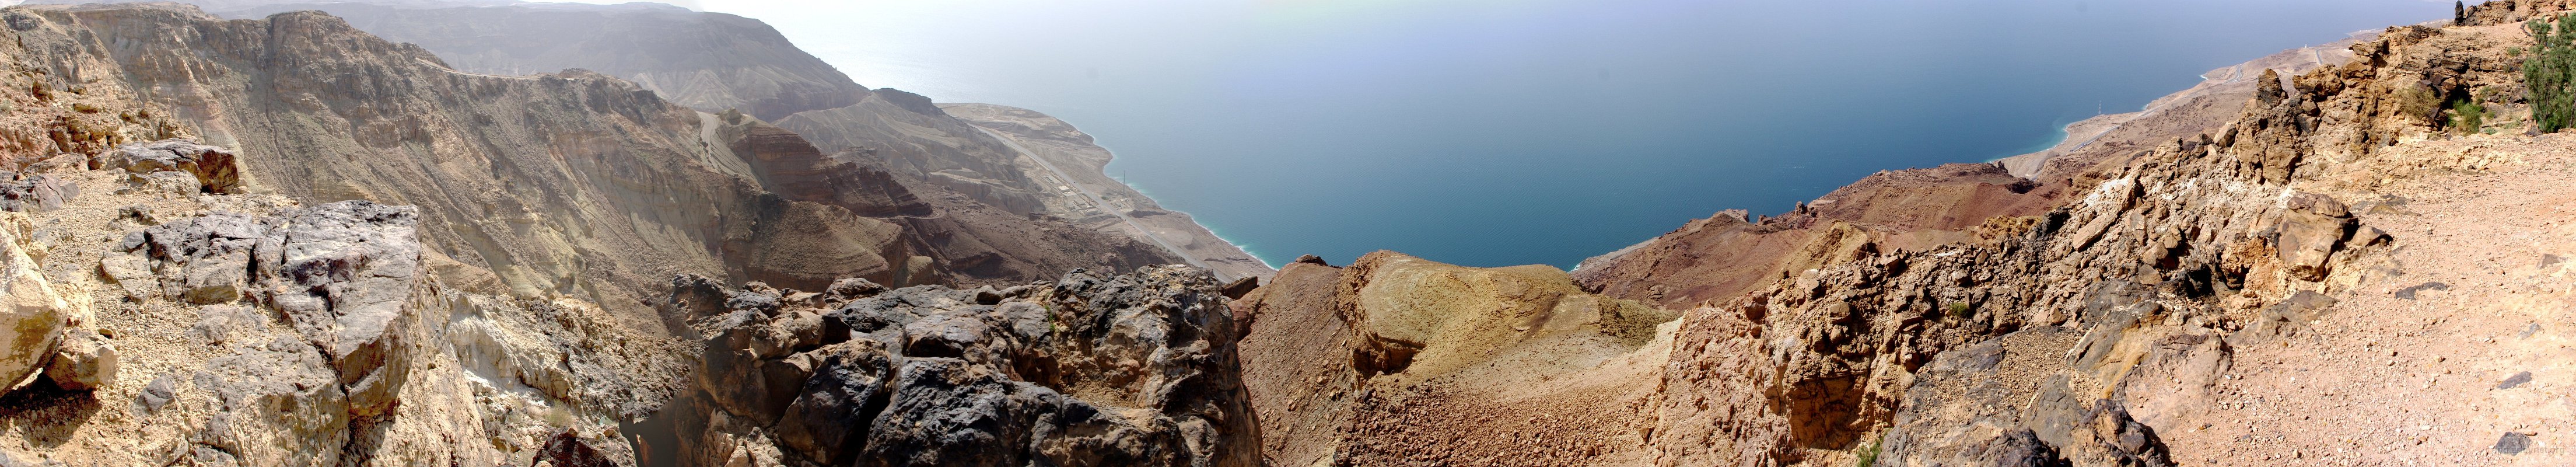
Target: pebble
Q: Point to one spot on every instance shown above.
(2516, 380)
(2512, 443)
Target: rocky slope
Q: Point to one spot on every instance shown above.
(160, 323)
(574, 185)
(398, 263)
(1397, 360)
(1730, 253)
(176, 325)
(213, 305)
(717, 62)
(712, 62)
(2331, 276)
(1134, 369)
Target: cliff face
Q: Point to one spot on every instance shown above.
(163, 323)
(706, 61)
(575, 185)
(717, 62)
(180, 303)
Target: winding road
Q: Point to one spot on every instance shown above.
(1096, 200)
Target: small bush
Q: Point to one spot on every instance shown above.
(2420, 102)
(1869, 454)
(2549, 72)
(2467, 115)
(1959, 310)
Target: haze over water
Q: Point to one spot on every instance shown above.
(1504, 132)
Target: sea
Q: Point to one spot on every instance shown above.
(1509, 132)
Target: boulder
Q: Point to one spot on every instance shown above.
(215, 169)
(40, 193)
(853, 288)
(838, 404)
(344, 274)
(569, 449)
(1240, 287)
(2312, 229)
(274, 403)
(198, 260)
(30, 308)
(1137, 369)
(84, 361)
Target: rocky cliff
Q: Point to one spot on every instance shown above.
(707, 61)
(286, 242)
(267, 301)
(160, 322)
(574, 185)
(717, 62)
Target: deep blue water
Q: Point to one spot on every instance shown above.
(1503, 132)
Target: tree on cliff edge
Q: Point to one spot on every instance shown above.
(2550, 73)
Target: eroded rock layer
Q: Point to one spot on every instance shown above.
(1132, 369)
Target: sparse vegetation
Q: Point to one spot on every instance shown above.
(1869, 454)
(2419, 102)
(2467, 115)
(1961, 310)
(2550, 73)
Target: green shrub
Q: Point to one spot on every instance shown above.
(1869, 454)
(1960, 310)
(2549, 72)
(2467, 115)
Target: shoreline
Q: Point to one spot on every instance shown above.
(1057, 147)
(2288, 62)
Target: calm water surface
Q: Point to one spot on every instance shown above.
(1503, 132)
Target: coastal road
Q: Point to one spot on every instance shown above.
(2238, 77)
(1086, 193)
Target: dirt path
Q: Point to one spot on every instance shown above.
(2462, 359)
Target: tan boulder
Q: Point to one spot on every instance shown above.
(29, 307)
(84, 361)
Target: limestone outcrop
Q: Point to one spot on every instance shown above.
(1132, 369)
(2081, 331)
(172, 325)
(1385, 361)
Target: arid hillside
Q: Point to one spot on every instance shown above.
(2344, 271)
(716, 62)
(285, 242)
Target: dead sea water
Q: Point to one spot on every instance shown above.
(1503, 132)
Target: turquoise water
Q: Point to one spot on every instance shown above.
(1504, 132)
